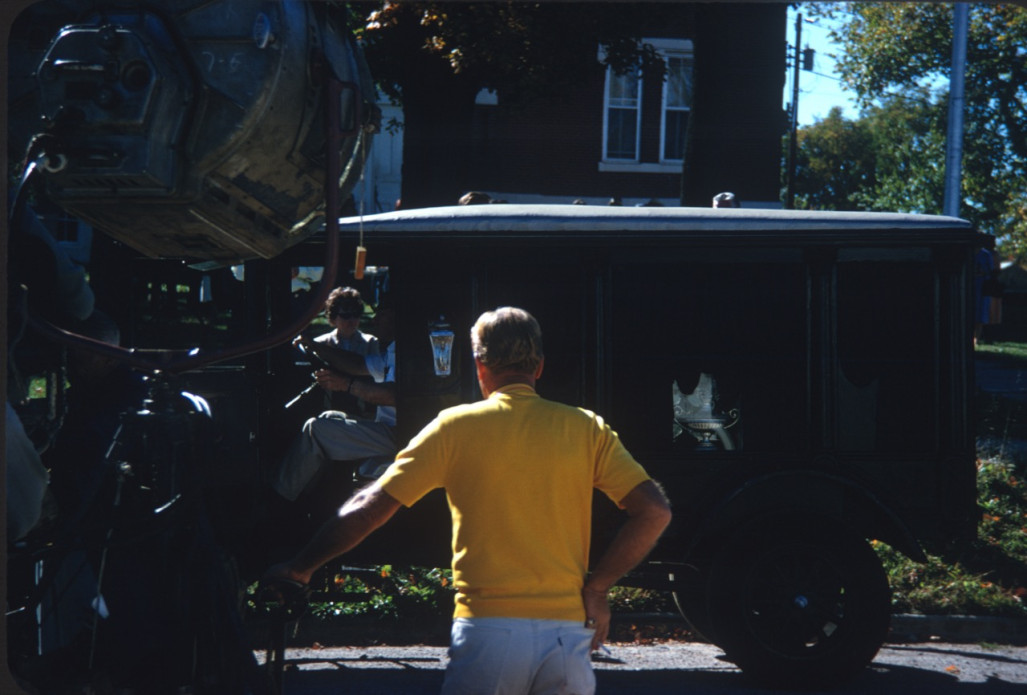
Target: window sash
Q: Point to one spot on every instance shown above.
(622, 117)
(676, 106)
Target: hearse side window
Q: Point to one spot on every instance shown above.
(886, 356)
(728, 337)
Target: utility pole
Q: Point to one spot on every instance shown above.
(792, 144)
(954, 136)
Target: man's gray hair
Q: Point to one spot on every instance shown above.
(507, 339)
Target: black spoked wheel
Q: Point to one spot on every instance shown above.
(799, 606)
(691, 602)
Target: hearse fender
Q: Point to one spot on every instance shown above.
(801, 494)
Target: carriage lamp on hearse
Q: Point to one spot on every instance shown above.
(441, 337)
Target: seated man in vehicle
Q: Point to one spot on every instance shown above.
(335, 435)
(344, 310)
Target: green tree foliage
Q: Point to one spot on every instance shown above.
(834, 164)
(891, 158)
(908, 136)
(897, 58)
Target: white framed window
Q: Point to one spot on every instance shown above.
(623, 115)
(622, 118)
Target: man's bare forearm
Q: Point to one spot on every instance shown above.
(373, 393)
(648, 516)
(363, 513)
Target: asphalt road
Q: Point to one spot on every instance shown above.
(666, 668)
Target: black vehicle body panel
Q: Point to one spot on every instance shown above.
(839, 342)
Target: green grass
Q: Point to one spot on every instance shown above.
(989, 577)
(1011, 351)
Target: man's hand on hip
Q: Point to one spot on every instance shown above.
(597, 615)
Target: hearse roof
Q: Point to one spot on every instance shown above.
(497, 221)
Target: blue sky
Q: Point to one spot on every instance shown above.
(820, 89)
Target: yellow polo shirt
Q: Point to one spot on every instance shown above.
(518, 471)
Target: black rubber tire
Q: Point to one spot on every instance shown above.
(692, 604)
(799, 604)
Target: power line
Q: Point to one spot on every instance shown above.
(820, 74)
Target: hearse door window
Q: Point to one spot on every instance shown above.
(709, 356)
(886, 352)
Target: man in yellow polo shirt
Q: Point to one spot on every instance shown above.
(518, 471)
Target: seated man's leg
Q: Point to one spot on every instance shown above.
(346, 439)
(374, 468)
(302, 461)
(331, 436)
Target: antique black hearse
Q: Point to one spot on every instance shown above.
(799, 382)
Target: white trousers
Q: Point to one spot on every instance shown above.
(518, 656)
